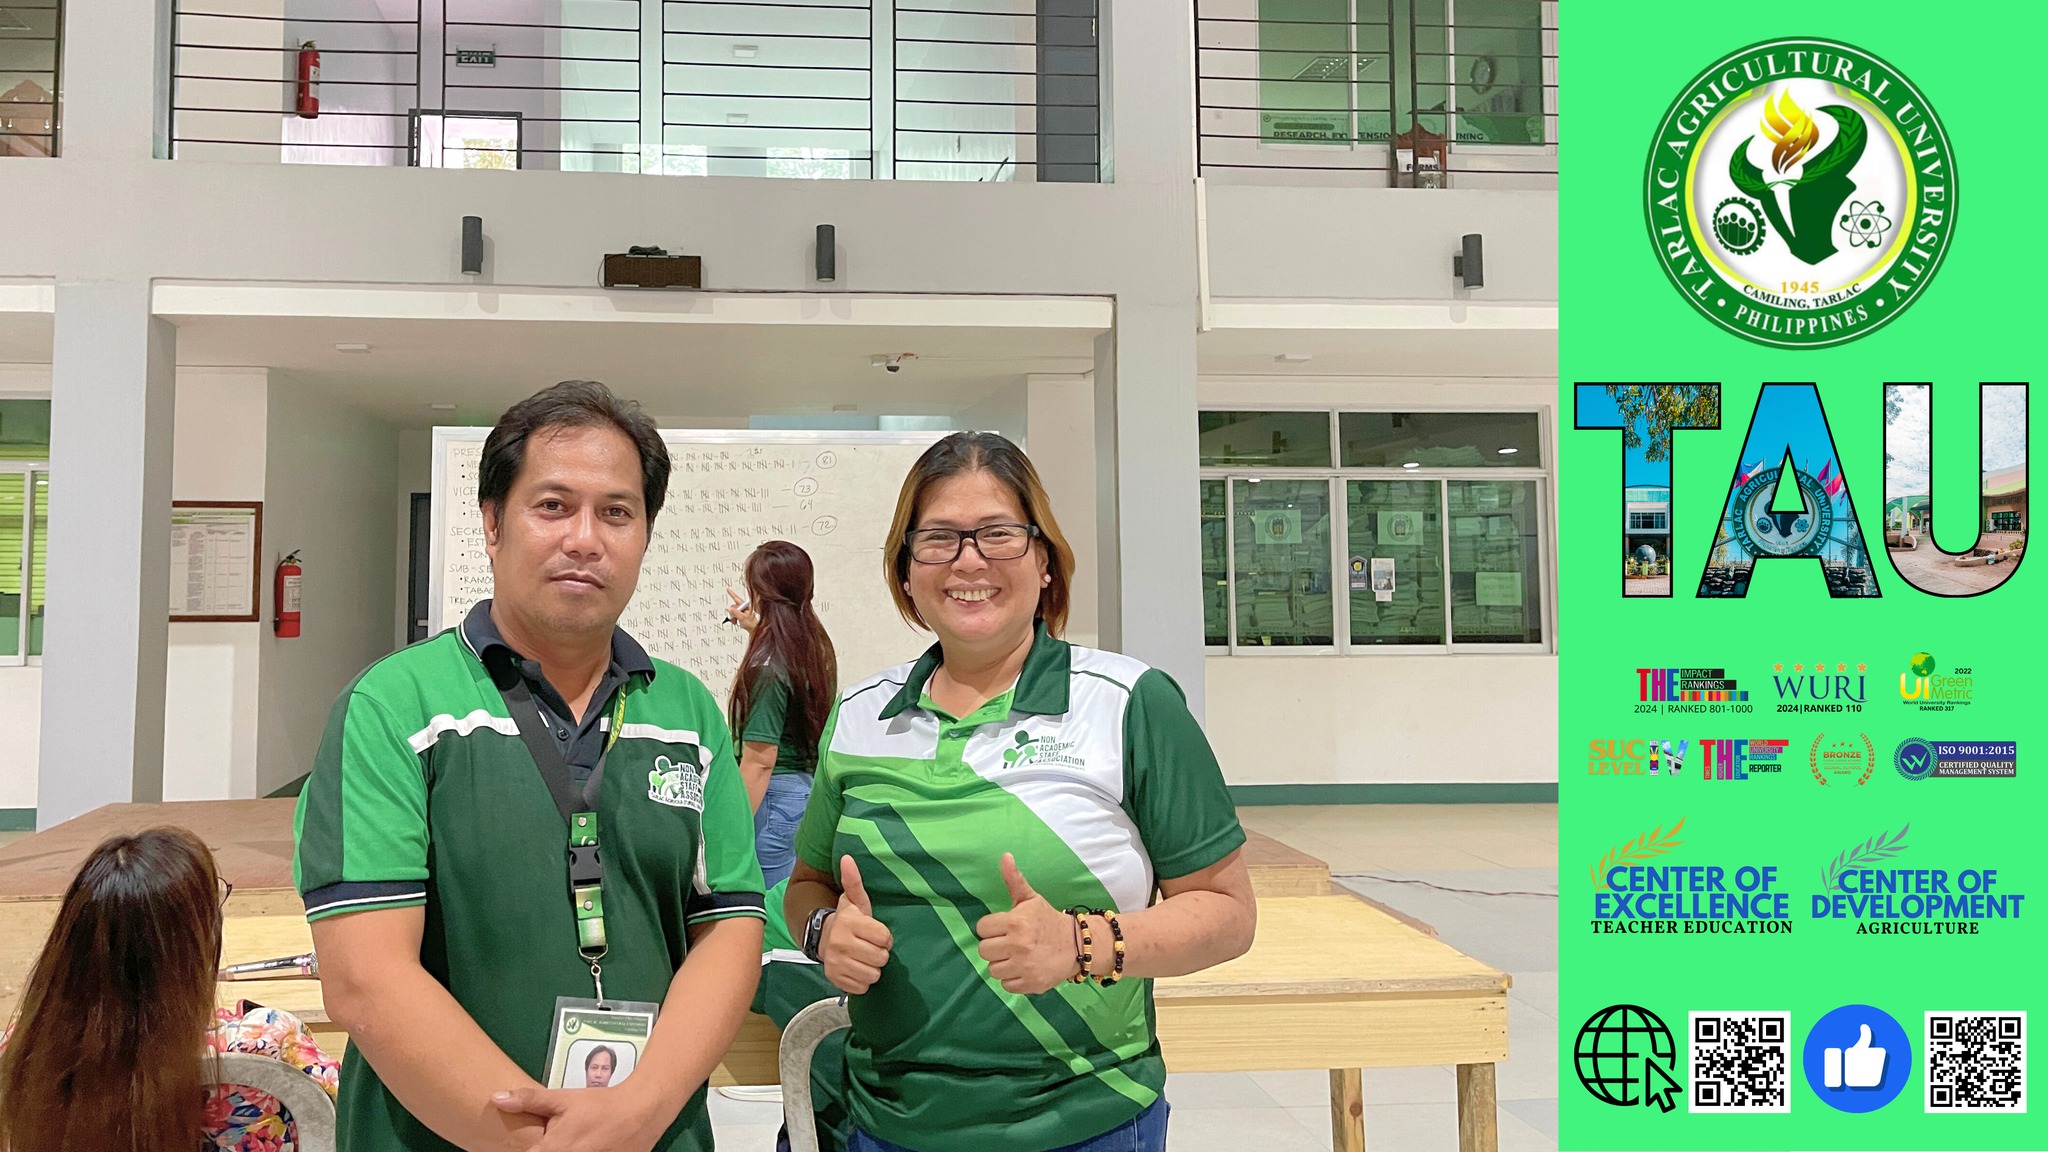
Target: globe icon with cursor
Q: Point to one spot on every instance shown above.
(1624, 1056)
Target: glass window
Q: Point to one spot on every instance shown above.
(1304, 68)
(1281, 540)
(1440, 439)
(38, 559)
(1275, 439)
(1395, 561)
(28, 77)
(465, 139)
(810, 163)
(1215, 565)
(1499, 66)
(1496, 585)
(12, 521)
(24, 429)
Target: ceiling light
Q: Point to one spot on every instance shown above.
(1293, 358)
(351, 347)
(735, 117)
(1509, 451)
(1412, 464)
(442, 407)
(1252, 480)
(746, 51)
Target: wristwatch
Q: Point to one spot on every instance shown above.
(814, 932)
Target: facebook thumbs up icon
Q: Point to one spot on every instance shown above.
(1857, 1058)
(1864, 1064)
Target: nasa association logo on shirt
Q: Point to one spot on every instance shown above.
(676, 785)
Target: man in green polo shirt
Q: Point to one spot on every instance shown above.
(434, 835)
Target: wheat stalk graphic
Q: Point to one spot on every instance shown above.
(1655, 842)
(1882, 846)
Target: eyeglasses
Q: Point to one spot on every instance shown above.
(993, 541)
(226, 890)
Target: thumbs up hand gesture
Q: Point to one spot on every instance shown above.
(1030, 948)
(855, 945)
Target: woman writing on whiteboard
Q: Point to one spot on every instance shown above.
(784, 690)
(990, 824)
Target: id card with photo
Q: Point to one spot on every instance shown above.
(597, 1045)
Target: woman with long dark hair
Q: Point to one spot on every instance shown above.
(781, 697)
(111, 1049)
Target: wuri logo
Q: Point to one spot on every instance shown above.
(1823, 689)
(1800, 193)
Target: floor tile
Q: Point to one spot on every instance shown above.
(1536, 991)
(1538, 1114)
(1265, 1129)
(1211, 1091)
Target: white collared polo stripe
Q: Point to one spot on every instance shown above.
(424, 739)
(665, 735)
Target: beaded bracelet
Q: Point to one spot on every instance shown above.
(1085, 955)
(1116, 930)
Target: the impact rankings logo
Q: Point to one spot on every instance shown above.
(1799, 194)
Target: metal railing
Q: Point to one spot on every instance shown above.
(1418, 93)
(833, 89)
(563, 92)
(236, 70)
(990, 90)
(31, 52)
(765, 88)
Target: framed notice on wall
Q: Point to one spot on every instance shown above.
(216, 550)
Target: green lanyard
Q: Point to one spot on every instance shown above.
(586, 865)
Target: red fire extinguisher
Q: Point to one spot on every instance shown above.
(309, 81)
(287, 596)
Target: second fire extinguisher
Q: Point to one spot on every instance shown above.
(286, 596)
(309, 81)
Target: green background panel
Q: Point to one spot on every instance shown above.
(1626, 324)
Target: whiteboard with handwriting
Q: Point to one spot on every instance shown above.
(831, 492)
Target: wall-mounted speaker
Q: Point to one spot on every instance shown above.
(472, 245)
(1469, 265)
(828, 254)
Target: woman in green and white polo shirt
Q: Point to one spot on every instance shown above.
(980, 813)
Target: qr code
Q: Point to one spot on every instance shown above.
(1740, 1062)
(1976, 1062)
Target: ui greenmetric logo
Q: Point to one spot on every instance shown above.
(1800, 193)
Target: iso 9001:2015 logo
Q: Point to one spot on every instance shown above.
(1800, 193)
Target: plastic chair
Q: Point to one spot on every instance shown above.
(312, 1112)
(800, 1040)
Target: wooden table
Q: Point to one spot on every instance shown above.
(1332, 982)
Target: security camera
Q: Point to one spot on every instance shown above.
(891, 361)
(893, 367)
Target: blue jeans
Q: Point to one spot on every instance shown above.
(1145, 1132)
(782, 809)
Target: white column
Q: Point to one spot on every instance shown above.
(116, 78)
(1060, 429)
(1148, 507)
(112, 393)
